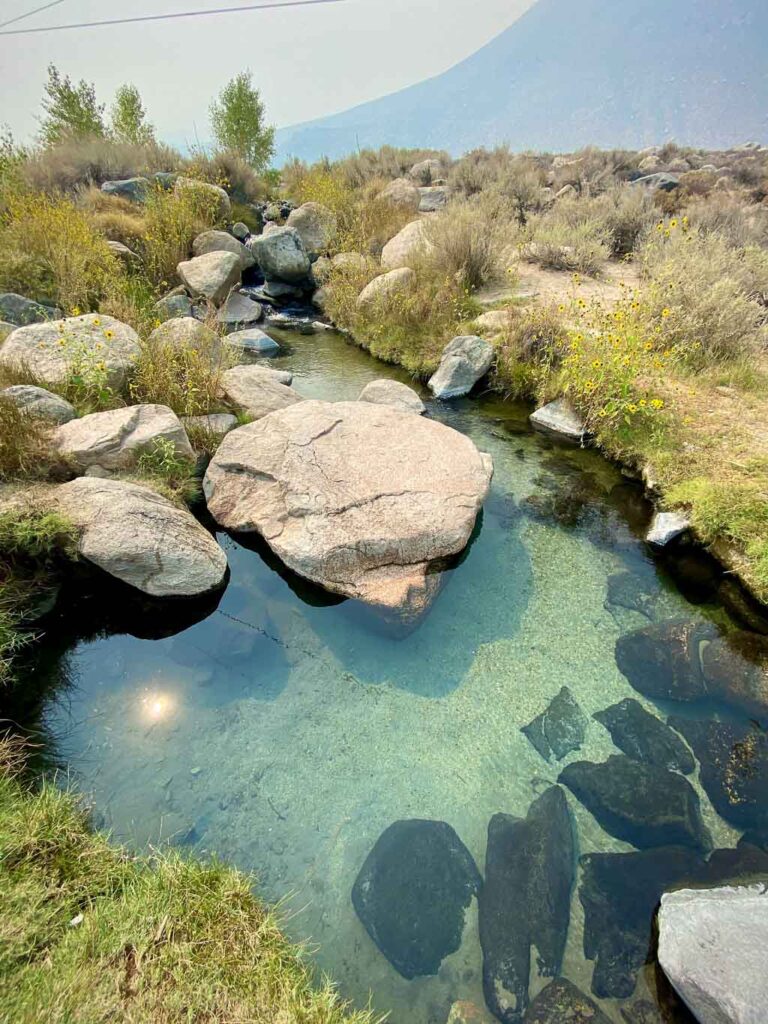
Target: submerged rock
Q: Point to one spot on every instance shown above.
(19, 311)
(712, 945)
(464, 361)
(645, 737)
(525, 900)
(562, 1003)
(643, 804)
(49, 350)
(558, 730)
(559, 420)
(619, 893)
(359, 498)
(689, 661)
(464, 1012)
(412, 894)
(39, 402)
(631, 592)
(142, 538)
(392, 392)
(734, 767)
(116, 439)
(256, 391)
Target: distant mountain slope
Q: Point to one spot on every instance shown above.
(570, 73)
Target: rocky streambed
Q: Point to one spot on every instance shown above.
(474, 816)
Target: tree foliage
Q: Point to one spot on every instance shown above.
(238, 122)
(128, 115)
(71, 111)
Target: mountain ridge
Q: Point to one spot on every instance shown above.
(566, 75)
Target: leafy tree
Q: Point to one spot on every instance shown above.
(238, 122)
(71, 111)
(129, 117)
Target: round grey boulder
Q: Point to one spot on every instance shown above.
(39, 402)
(392, 392)
(316, 225)
(135, 190)
(281, 255)
(15, 309)
(221, 241)
(212, 276)
(387, 286)
(464, 361)
(252, 339)
(257, 393)
(401, 192)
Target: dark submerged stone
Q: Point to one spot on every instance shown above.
(634, 592)
(558, 730)
(744, 608)
(529, 871)
(562, 1003)
(412, 893)
(643, 804)
(734, 767)
(735, 669)
(619, 893)
(644, 737)
(662, 661)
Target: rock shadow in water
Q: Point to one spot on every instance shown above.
(412, 894)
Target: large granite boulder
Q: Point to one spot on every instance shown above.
(412, 894)
(401, 192)
(257, 392)
(641, 803)
(562, 1003)
(142, 538)
(50, 350)
(39, 402)
(559, 420)
(392, 392)
(559, 729)
(316, 225)
(525, 900)
(116, 439)
(464, 361)
(426, 171)
(15, 309)
(212, 276)
(619, 893)
(135, 190)
(712, 945)
(360, 498)
(222, 241)
(214, 197)
(387, 286)
(406, 244)
(644, 737)
(281, 255)
(433, 198)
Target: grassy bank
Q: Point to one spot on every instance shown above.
(89, 933)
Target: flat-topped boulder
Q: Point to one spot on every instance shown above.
(50, 349)
(362, 499)
(464, 361)
(257, 391)
(212, 276)
(222, 241)
(141, 538)
(281, 255)
(116, 439)
(251, 339)
(239, 311)
(39, 402)
(392, 392)
(712, 946)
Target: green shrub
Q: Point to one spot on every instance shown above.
(25, 447)
(185, 378)
(567, 237)
(466, 242)
(173, 220)
(230, 172)
(161, 463)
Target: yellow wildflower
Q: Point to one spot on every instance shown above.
(666, 312)
(657, 403)
(108, 335)
(632, 408)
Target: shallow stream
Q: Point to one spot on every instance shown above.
(284, 730)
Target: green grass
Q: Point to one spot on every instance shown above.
(90, 934)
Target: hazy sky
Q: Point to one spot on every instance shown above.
(307, 62)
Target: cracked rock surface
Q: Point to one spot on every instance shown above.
(362, 499)
(142, 538)
(115, 439)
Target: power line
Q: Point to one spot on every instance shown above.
(164, 17)
(37, 10)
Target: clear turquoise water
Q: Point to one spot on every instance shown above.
(285, 733)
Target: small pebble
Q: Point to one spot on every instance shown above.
(195, 771)
(76, 920)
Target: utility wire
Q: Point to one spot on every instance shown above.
(164, 17)
(37, 10)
